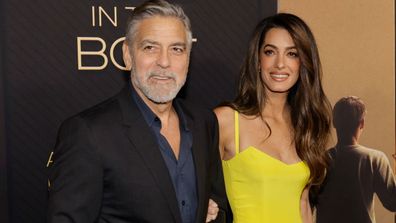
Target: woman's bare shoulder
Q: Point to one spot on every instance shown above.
(224, 111)
(224, 114)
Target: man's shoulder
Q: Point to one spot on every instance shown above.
(371, 156)
(193, 110)
(106, 107)
(359, 151)
(370, 152)
(105, 111)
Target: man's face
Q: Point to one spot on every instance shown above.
(158, 58)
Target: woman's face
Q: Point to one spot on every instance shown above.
(279, 61)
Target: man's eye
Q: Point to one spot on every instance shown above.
(178, 49)
(148, 48)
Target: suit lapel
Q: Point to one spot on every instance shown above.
(198, 148)
(145, 143)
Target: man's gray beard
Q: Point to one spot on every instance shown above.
(155, 96)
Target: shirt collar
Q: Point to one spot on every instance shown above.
(181, 115)
(150, 117)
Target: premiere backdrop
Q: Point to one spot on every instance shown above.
(42, 81)
(356, 40)
(60, 57)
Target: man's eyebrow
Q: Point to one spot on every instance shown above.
(152, 42)
(182, 44)
(147, 41)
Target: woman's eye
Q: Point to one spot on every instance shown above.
(268, 52)
(293, 54)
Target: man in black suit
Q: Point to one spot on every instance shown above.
(142, 156)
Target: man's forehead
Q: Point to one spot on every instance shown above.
(161, 24)
(159, 29)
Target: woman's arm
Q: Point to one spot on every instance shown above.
(226, 131)
(306, 212)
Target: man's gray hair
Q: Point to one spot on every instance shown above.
(157, 8)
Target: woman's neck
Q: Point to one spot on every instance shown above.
(276, 106)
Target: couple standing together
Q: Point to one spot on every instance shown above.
(144, 156)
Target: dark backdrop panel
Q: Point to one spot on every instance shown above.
(3, 173)
(43, 85)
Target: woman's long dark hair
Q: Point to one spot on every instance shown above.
(309, 106)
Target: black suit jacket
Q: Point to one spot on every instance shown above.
(108, 167)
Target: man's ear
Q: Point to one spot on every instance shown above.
(361, 124)
(126, 55)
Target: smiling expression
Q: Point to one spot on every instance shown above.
(279, 61)
(158, 58)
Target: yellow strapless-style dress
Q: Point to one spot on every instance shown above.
(262, 189)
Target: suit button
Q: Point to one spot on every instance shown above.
(183, 203)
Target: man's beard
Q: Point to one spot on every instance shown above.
(159, 93)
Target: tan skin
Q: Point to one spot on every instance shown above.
(161, 46)
(279, 65)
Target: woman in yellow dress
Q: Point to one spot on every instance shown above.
(273, 135)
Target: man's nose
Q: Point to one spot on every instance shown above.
(163, 59)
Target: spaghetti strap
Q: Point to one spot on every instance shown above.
(236, 132)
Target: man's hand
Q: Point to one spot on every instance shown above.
(213, 209)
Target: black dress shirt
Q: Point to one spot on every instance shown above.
(181, 169)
